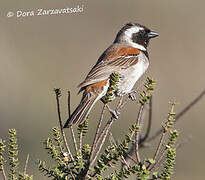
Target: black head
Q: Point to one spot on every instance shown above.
(135, 35)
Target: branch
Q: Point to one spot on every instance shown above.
(2, 160)
(101, 138)
(3, 172)
(80, 141)
(137, 134)
(113, 142)
(129, 154)
(97, 133)
(143, 139)
(104, 134)
(166, 129)
(58, 94)
(74, 140)
(26, 164)
(159, 161)
(71, 128)
(159, 145)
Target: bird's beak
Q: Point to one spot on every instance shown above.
(153, 34)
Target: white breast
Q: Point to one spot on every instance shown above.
(132, 74)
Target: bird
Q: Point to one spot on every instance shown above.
(127, 56)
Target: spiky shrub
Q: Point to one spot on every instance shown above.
(13, 161)
(88, 161)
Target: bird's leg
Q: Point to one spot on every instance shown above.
(115, 114)
(132, 95)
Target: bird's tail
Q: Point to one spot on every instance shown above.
(83, 109)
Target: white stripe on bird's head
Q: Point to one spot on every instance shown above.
(130, 31)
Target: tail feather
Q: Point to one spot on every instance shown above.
(82, 111)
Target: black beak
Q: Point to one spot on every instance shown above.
(152, 34)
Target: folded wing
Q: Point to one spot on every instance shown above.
(114, 59)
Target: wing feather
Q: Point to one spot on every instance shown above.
(109, 64)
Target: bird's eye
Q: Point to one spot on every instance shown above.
(142, 32)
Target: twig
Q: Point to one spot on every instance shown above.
(143, 139)
(129, 154)
(97, 133)
(95, 142)
(74, 140)
(26, 164)
(80, 140)
(3, 172)
(71, 128)
(112, 141)
(101, 137)
(137, 134)
(72, 175)
(109, 123)
(166, 130)
(60, 146)
(99, 140)
(105, 133)
(158, 148)
(130, 157)
(186, 109)
(158, 162)
(57, 91)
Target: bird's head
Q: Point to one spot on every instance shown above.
(135, 35)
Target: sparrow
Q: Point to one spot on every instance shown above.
(127, 56)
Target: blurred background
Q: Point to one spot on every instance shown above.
(40, 53)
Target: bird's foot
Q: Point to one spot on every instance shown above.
(132, 95)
